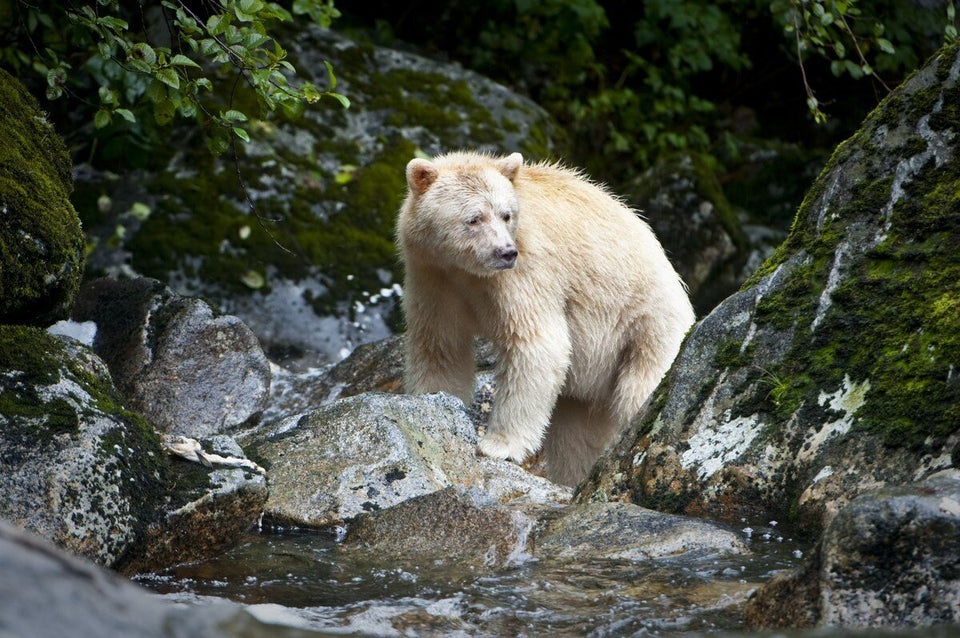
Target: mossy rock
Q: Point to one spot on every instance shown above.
(835, 368)
(75, 466)
(41, 242)
(315, 237)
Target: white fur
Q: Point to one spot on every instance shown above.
(585, 320)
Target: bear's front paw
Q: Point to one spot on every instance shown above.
(497, 446)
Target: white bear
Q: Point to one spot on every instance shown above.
(583, 308)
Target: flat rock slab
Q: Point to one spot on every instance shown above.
(622, 531)
(458, 525)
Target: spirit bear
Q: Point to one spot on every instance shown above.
(582, 306)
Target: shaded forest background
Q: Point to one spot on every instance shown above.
(629, 81)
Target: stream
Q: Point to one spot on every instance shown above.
(306, 580)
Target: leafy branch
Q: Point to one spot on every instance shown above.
(826, 28)
(137, 68)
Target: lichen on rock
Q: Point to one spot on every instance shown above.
(76, 467)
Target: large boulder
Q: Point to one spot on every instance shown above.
(45, 591)
(834, 370)
(891, 558)
(372, 451)
(300, 246)
(81, 470)
(187, 371)
(75, 467)
(41, 243)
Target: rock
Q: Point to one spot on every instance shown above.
(622, 531)
(371, 367)
(683, 202)
(372, 451)
(891, 558)
(187, 371)
(75, 467)
(207, 511)
(456, 526)
(46, 592)
(82, 471)
(326, 188)
(832, 372)
(41, 243)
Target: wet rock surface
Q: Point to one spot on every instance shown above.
(459, 525)
(207, 511)
(622, 531)
(45, 591)
(372, 451)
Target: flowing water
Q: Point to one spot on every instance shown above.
(308, 581)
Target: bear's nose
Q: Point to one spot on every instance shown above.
(508, 254)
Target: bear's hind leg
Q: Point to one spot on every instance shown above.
(577, 435)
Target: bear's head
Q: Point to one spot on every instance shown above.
(462, 210)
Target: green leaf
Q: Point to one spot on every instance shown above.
(886, 46)
(143, 51)
(140, 65)
(242, 134)
(168, 76)
(344, 101)
(331, 78)
(126, 114)
(182, 60)
(101, 119)
(164, 110)
(217, 144)
(253, 279)
(310, 92)
(234, 116)
(216, 24)
(139, 211)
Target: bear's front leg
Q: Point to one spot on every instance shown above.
(530, 374)
(439, 348)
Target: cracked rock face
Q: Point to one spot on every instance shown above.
(835, 369)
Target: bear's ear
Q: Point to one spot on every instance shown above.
(510, 165)
(420, 175)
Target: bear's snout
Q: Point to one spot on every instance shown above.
(506, 256)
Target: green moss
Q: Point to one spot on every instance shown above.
(33, 353)
(41, 244)
(732, 354)
(895, 319)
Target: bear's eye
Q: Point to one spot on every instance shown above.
(473, 221)
(506, 217)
